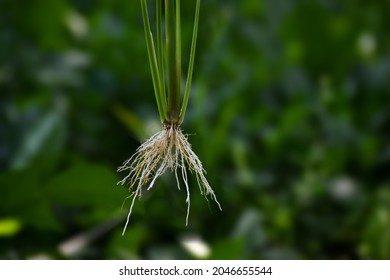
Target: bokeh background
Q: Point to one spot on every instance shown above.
(290, 114)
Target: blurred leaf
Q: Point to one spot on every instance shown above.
(228, 249)
(128, 246)
(23, 197)
(376, 242)
(46, 136)
(130, 120)
(87, 185)
(9, 227)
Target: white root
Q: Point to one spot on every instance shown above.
(168, 148)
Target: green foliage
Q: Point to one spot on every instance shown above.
(167, 59)
(289, 113)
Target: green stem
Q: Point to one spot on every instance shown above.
(156, 76)
(178, 57)
(191, 64)
(172, 14)
(160, 52)
(170, 106)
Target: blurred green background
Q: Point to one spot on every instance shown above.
(290, 114)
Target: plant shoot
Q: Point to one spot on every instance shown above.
(169, 148)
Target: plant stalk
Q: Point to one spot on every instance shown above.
(160, 51)
(173, 42)
(191, 64)
(156, 75)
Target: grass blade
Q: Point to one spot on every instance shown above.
(160, 50)
(153, 62)
(178, 56)
(191, 64)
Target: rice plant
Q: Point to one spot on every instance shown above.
(169, 148)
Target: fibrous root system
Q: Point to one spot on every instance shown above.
(167, 149)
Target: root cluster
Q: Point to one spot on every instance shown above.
(167, 149)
